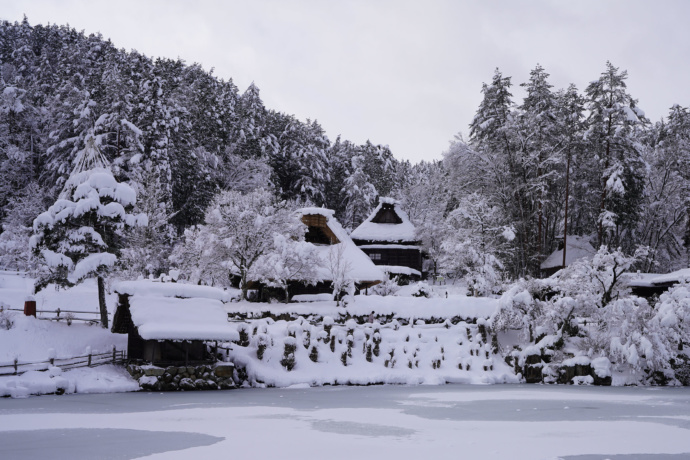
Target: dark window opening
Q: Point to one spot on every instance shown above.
(316, 235)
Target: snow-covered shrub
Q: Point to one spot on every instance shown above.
(420, 289)
(314, 353)
(290, 346)
(598, 281)
(262, 342)
(631, 334)
(6, 318)
(520, 308)
(388, 286)
(672, 313)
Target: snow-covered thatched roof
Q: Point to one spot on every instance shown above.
(360, 268)
(175, 311)
(578, 248)
(378, 226)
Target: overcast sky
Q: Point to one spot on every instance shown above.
(403, 73)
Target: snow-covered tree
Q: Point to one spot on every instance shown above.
(80, 236)
(148, 247)
(241, 229)
(339, 268)
(290, 259)
(15, 253)
(472, 244)
(613, 136)
(198, 258)
(359, 193)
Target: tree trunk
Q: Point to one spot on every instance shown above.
(565, 218)
(101, 303)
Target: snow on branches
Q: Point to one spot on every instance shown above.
(79, 237)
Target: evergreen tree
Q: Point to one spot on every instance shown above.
(540, 155)
(80, 236)
(613, 128)
(359, 193)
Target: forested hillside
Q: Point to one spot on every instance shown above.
(560, 161)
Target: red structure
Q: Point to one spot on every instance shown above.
(30, 308)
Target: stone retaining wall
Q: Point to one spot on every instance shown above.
(221, 376)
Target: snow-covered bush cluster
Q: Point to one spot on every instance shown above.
(585, 313)
(282, 353)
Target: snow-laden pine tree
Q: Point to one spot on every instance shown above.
(148, 247)
(359, 192)
(570, 109)
(299, 158)
(541, 156)
(22, 209)
(81, 234)
(379, 165)
(613, 133)
(251, 139)
(497, 155)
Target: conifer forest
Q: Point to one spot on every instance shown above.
(562, 161)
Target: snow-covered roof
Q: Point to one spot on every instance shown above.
(640, 279)
(578, 248)
(151, 288)
(673, 277)
(176, 311)
(166, 318)
(360, 267)
(400, 270)
(393, 232)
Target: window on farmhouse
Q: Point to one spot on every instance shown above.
(316, 235)
(375, 256)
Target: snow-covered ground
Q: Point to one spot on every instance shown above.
(35, 340)
(510, 422)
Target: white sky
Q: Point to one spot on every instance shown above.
(403, 73)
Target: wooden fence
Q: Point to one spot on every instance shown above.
(89, 360)
(67, 315)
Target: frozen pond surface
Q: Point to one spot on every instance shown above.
(382, 422)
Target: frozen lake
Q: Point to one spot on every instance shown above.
(382, 422)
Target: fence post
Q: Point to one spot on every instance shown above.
(114, 354)
(89, 359)
(15, 366)
(58, 313)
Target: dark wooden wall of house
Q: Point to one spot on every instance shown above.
(397, 256)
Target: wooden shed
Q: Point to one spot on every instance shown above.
(170, 323)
